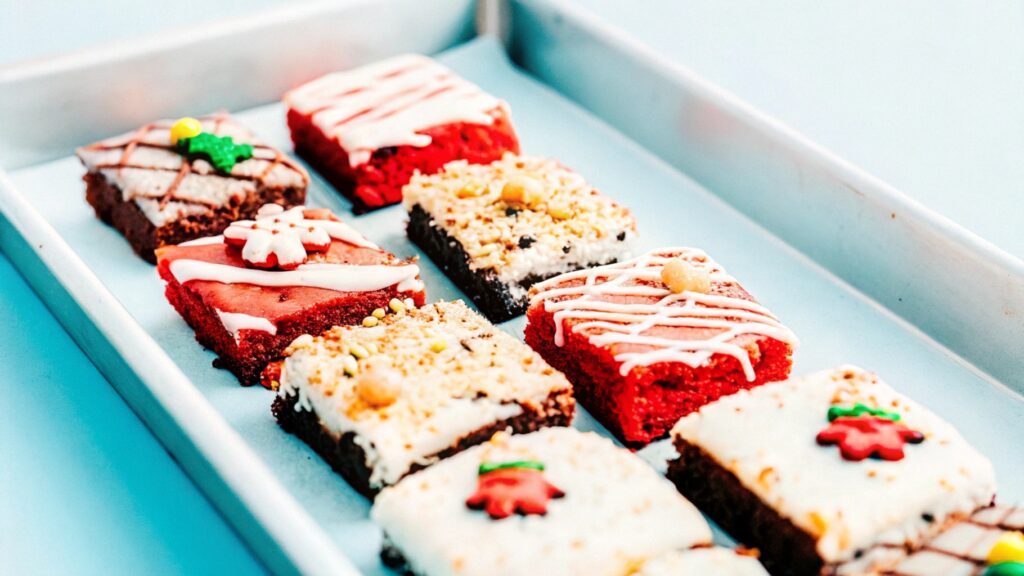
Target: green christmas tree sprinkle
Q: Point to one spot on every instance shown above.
(1006, 569)
(220, 151)
(859, 410)
(488, 467)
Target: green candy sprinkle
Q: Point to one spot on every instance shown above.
(1005, 569)
(488, 467)
(859, 410)
(220, 151)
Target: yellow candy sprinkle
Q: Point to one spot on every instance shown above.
(438, 346)
(370, 321)
(185, 128)
(396, 305)
(1008, 548)
(379, 313)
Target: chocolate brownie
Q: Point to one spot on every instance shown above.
(497, 229)
(156, 193)
(554, 502)
(831, 473)
(410, 387)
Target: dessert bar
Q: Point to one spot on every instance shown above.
(647, 341)
(264, 282)
(989, 543)
(831, 473)
(170, 182)
(370, 129)
(554, 502)
(409, 387)
(497, 229)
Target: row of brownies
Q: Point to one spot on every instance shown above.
(450, 423)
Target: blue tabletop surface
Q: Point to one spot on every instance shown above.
(926, 95)
(85, 488)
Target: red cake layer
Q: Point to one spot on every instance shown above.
(379, 182)
(294, 310)
(643, 405)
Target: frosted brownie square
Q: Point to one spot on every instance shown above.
(368, 130)
(554, 502)
(496, 229)
(831, 473)
(649, 340)
(169, 182)
(411, 387)
(253, 290)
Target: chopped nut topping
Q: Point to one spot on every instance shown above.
(378, 386)
(522, 213)
(681, 276)
(522, 190)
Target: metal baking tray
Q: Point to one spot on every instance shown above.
(861, 273)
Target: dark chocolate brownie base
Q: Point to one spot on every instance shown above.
(785, 549)
(490, 295)
(348, 458)
(126, 216)
(393, 558)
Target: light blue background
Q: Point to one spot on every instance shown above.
(925, 94)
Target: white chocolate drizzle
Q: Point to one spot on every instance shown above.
(608, 322)
(389, 103)
(235, 322)
(287, 235)
(340, 277)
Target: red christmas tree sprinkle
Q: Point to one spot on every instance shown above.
(869, 437)
(512, 488)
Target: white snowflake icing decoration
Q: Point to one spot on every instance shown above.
(278, 238)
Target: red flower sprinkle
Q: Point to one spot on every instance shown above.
(869, 437)
(508, 491)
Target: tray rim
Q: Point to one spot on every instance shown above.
(979, 336)
(51, 255)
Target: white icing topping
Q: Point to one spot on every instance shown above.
(234, 322)
(612, 323)
(166, 187)
(340, 277)
(702, 562)
(616, 512)
(204, 241)
(481, 376)
(389, 103)
(766, 438)
(287, 235)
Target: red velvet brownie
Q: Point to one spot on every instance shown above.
(831, 473)
(989, 543)
(170, 182)
(370, 129)
(498, 228)
(250, 292)
(647, 341)
(408, 388)
(557, 502)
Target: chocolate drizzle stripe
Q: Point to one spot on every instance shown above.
(137, 140)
